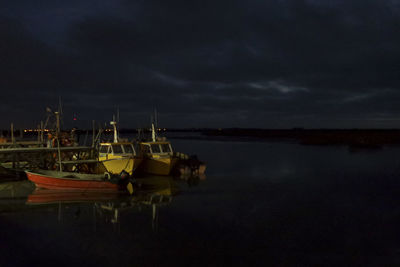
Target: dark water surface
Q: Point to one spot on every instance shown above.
(261, 204)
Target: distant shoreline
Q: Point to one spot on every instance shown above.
(368, 138)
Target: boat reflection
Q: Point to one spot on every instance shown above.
(150, 194)
(13, 196)
(192, 180)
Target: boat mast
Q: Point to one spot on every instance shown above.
(114, 124)
(155, 118)
(58, 139)
(153, 131)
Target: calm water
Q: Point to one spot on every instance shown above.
(275, 204)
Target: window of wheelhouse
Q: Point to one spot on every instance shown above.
(166, 148)
(145, 148)
(155, 148)
(128, 149)
(104, 149)
(117, 149)
(137, 147)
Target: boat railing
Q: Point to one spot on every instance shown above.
(181, 155)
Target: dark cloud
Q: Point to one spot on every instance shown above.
(282, 63)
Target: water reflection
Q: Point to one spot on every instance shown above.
(13, 196)
(261, 205)
(151, 193)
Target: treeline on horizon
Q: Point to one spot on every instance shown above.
(353, 137)
(235, 130)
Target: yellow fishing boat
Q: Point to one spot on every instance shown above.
(158, 157)
(119, 156)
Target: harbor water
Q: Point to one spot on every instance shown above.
(260, 204)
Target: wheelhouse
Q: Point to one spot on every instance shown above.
(117, 149)
(158, 148)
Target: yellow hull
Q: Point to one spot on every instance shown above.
(158, 166)
(117, 165)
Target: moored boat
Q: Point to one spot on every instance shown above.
(189, 165)
(158, 157)
(75, 181)
(118, 157)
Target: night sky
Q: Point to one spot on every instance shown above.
(266, 64)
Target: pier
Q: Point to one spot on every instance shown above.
(70, 158)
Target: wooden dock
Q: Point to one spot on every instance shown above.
(18, 157)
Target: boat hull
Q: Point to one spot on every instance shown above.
(158, 166)
(51, 181)
(117, 165)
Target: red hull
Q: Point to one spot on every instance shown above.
(48, 182)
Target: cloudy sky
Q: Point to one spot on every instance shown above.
(226, 63)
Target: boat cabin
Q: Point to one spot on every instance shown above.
(156, 148)
(117, 149)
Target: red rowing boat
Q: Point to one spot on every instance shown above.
(71, 181)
